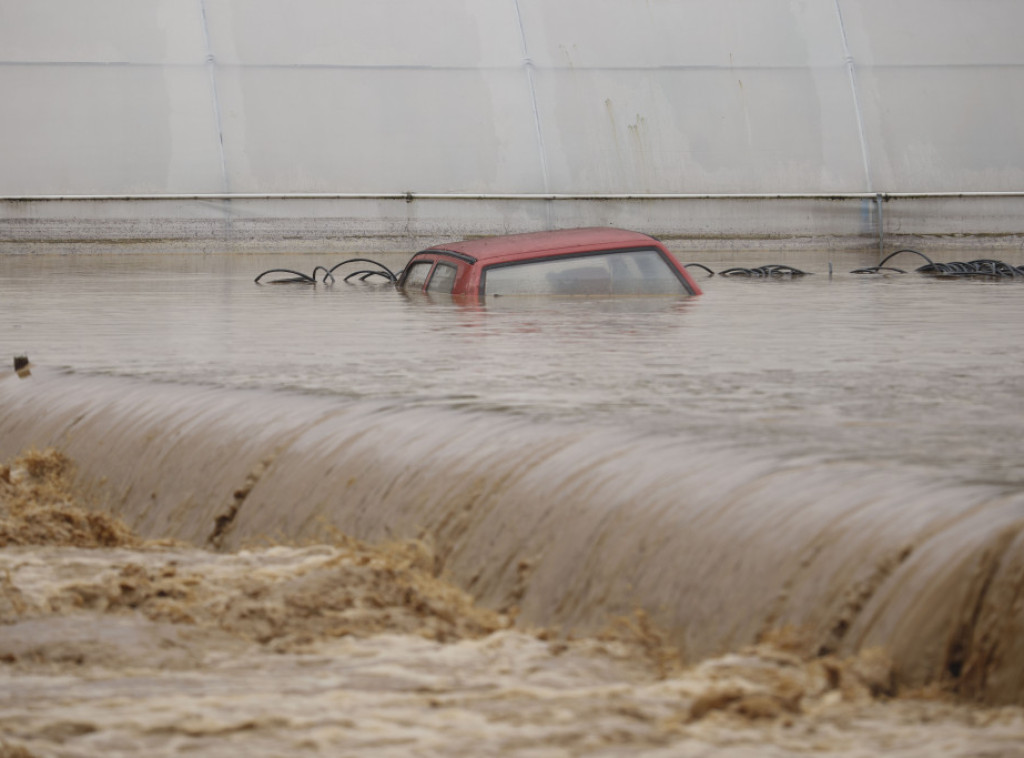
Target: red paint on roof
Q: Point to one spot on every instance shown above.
(474, 257)
(530, 244)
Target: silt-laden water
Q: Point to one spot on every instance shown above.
(837, 457)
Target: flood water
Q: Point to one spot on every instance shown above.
(905, 369)
(837, 455)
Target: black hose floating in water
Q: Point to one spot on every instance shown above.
(983, 267)
(700, 265)
(769, 271)
(365, 274)
(384, 270)
(882, 267)
(877, 269)
(297, 277)
(327, 274)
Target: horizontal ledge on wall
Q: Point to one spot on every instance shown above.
(412, 196)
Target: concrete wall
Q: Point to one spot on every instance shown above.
(506, 97)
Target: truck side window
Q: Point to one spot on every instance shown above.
(443, 279)
(416, 275)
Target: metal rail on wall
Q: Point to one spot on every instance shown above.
(411, 196)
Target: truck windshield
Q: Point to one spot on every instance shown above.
(623, 272)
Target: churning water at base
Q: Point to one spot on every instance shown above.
(839, 456)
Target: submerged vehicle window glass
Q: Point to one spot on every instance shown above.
(416, 274)
(443, 279)
(626, 272)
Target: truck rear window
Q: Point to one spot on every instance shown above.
(623, 272)
(416, 275)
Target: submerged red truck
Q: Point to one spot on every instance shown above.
(591, 261)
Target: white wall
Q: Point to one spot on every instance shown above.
(510, 96)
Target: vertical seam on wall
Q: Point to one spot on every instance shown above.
(852, 74)
(211, 65)
(528, 65)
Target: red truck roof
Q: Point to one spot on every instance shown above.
(531, 243)
(478, 256)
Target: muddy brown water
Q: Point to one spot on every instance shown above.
(837, 455)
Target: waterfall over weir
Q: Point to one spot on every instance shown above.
(571, 523)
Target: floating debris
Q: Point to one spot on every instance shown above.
(297, 277)
(984, 267)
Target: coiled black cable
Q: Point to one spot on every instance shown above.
(985, 267)
(700, 265)
(366, 274)
(384, 270)
(882, 267)
(297, 277)
(769, 271)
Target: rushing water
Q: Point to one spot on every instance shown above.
(900, 368)
(836, 454)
